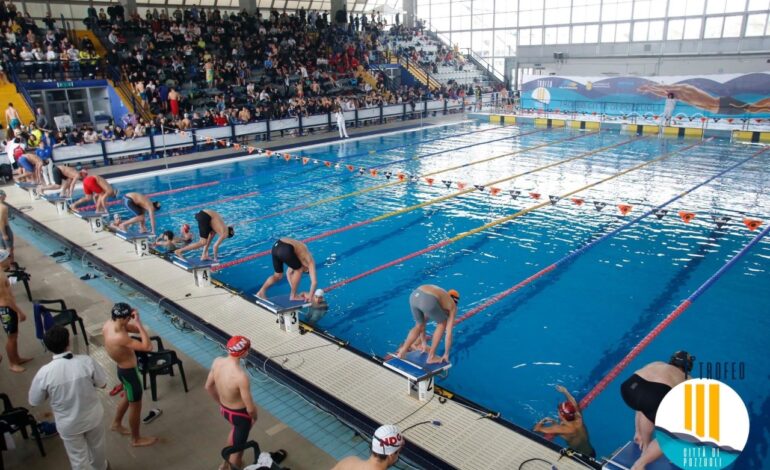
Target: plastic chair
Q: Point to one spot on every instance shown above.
(22, 276)
(161, 363)
(16, 419)
(64, 316)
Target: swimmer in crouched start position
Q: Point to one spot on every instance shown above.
(210, 224)
(298, 258)
(431, 302)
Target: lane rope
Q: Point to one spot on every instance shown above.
(345, 228)
(573, 254)
(666, 322)
(499, 221)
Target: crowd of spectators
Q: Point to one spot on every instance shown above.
(199, 68)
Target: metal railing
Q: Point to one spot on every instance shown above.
(35, 70)
(160, 144)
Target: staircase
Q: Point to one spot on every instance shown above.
(8, 94)
(129, 98)
(419, 74)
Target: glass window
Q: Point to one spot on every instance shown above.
(640, 30)
(503, 5)
(592, 33)
(483, 21)
(562, 36)
(735, 6)
(578, 34)
(732, 27)
(608, 32)
(524, 37)
(759, 5)
(755, 26)
(656, 31)
(461, 22)
(675, 29)
(482, 43)
(530, 17)
(584, 11)
(623, 32)
(505, 42)
(692, 28)
(462, 40)
(441, 23)
(557, 14)
(685, 7)
(506, 20)
(715, 6)
(483, 6)
(550, 36)
(613, 10)
(461, 7)
(713, 27)
(537, 36)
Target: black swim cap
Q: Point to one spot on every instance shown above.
(230, 232)
(121, 310)
(156, 205)
(683, 360)
(169, 235)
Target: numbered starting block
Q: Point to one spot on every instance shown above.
(201, 269)
(29, 187)
(286, 309)
(624, 459)
(419, 374)
(141, 241)
(95, 219)
(58, 201)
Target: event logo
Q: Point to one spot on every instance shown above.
(702, 424)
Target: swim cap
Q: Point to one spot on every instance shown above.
(454, 294)
(156, 205)
(238, 346)
(319, 292)
(121, 310)
(185, 228)
(83, 173)
(169, 235)
(387, 440)
(230, 232)
(567, 410)
(683, 360)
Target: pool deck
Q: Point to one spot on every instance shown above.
(357, 389)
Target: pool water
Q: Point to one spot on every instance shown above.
(569, 327)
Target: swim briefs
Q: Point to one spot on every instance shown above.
(131, 383)
(132, 206)
(10, 320)
(58, 177)
(643, 395)
(7, 244)
(204, 224)
(284, 253)
(426, 306)
(91, 186)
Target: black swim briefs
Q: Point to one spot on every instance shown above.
(10, 320)
(284, 253)
(241, 422)
(131, 383)
(204, 224)
(643, 395)
(58, 177)
(132, 206)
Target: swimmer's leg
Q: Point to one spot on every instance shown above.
(294, 276)
(272, 279)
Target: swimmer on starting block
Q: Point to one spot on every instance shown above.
(64, 180)
(98, 190)
(32, 168)
(139, 204)
(431, 302)
(210, 223)
(297, 257)
(571, 426)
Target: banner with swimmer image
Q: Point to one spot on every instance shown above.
(733, 97)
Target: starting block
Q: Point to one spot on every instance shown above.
(95, 219)
(624, 459)
(141, 241)
(286, 309)
(58, 201)
(201, 269)
(29, 187)
(419, 374)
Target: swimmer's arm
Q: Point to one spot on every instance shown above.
(552, 429)
(152, 219)
(569, 397)
(246, 397)
(448, 338)
(99, 377)
(136, 327)
(311, 270)
(210, 386)
(4, 223)
(80, 201)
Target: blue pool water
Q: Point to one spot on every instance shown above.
(570, 327)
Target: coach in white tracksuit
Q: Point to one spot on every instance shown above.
(70, 381)
(340, 116)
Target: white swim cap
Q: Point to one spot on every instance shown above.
(319, 292)
(387, 440)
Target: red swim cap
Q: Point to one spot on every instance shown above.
(238, 346)
(185, 228)
(567, 411)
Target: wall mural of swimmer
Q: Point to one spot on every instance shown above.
(718, 96)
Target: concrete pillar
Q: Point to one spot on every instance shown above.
(249, 5)
(129, 6)
(338, 5)
(410, 9)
